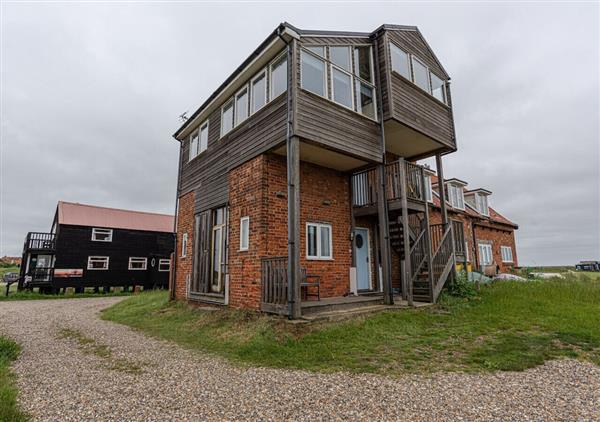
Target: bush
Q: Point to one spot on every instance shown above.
(461, 286)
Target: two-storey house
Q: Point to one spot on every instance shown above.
(297, 176)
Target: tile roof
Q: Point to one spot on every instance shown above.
(90, 215)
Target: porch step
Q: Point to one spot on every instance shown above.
(340, 304)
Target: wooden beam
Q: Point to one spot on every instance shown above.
(406, 234)
(293, 178)
(441, 188)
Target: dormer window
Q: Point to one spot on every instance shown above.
(481, 202)
(455, 196)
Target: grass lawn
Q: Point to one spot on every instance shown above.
(509, 326)
(27, 295)
(9, 410)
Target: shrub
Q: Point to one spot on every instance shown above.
(461, 286)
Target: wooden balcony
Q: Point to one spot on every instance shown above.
(40, 242)
(364, 187)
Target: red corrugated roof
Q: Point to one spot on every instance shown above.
(94, 216)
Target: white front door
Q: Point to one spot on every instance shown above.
(361, 250)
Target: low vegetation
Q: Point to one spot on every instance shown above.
(9, 411)
(507, 326)
(28, 295)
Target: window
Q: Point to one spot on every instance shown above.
(199, 141)
(506, 252)
(363, 66)
(481, 202)
(184, 240)
(97, 263)
(485, 254)
(318, 241)
(342, 87)
(365, 99)
(244, 233)
(467, 251)
(193, 145)
(428, 189)
(420, 74)
(227, 117)
(318, 50)
(102, 235)
(259, 92)
(340, 56)
(438, 88)
(455, 194)
(400, 63)
(164, 265)
(363, 82)
(278, 79)
(312, 73)
(137, 263)
(219, 250)
(241, 106)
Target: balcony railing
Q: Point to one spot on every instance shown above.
(40, 241)
(364, 183)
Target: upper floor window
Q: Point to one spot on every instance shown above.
(438, 89)
(340, 56)
(420, 75)
(342, 87)
(259, 91)
(363, 65)
(184, 242)
(312, 73)
(455, 195)
(278, 77)
(102, 235)
(481, 202)
(400, 63)
(227, 117)
(506, 252)
(318, 50)
(485, 254)
(241, 106)
(97, 263)
(199, 141)
(318, 241)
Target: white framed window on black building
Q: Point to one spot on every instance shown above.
(241, 105)
(97, 263)
(319, 241)
(164, 265)
(102, 235)
(137, 263)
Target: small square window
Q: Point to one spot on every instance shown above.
(318, 241)
(97, 263)
(102, 235)
(164, 265)
(138, 263)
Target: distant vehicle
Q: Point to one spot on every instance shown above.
(588, 266)
(10, 278)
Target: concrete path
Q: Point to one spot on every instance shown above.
(76, 367)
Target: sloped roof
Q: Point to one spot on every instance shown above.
(91, 215)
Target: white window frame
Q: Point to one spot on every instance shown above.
(467, 251)
(163, 262)
(223, 107)
(506, 253)
(319, 256)
(460, 195)
(482, 200)
(427, 73)
(270, 84)
(409, 62)
(197, 150)
(105, 259)
(193, 153)
(246, 88)
(325, 78)
(203, 126)
(262, 73)
(357, 80)
(352, 87)
(95, 230)
(428, 188)
(350, 51)
(480, 248)
(137, 259)
(246, 246)
(444, 94)
(184, 242)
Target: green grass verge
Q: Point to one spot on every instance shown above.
(509, 326)
(27, 295)
(9, 410)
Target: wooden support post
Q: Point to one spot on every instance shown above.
(293, 177)
(441, 189)
(384, 237)
(428, 238)
(406, 233)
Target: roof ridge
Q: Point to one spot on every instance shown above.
(114, 209)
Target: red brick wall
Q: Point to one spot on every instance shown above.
(185, 224)
(498, 238)
(247, 198)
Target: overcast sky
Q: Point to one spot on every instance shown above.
(91, 93)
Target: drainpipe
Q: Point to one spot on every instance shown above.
(177, 191)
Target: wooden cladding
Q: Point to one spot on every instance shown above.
(274, 285)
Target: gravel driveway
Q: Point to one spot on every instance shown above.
(75, 367)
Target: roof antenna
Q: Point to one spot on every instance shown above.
(183, 116)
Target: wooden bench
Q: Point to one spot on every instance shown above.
(310, 281)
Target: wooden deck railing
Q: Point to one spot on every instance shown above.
(40, 241)
(442, 260)
(364, 183)
(274, 286)
(459, 238)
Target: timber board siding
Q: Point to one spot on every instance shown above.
(207, 173)
(413, 43)
(74, 246)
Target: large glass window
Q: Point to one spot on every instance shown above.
(365, 99)
(420, 75)
(241, 106)
(227, 118)
(312, 73)
(259, 92)
(340, 56)
(400, 63)
(437, 88)
(342, 87)
(318, 50)
(362, 63)
(278, 79)
(318, 241)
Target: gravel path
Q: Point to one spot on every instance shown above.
(65, 377)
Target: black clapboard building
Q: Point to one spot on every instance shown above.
(91, 246)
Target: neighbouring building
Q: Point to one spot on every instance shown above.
(588, 266)
(298, 186)
(91, 246)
